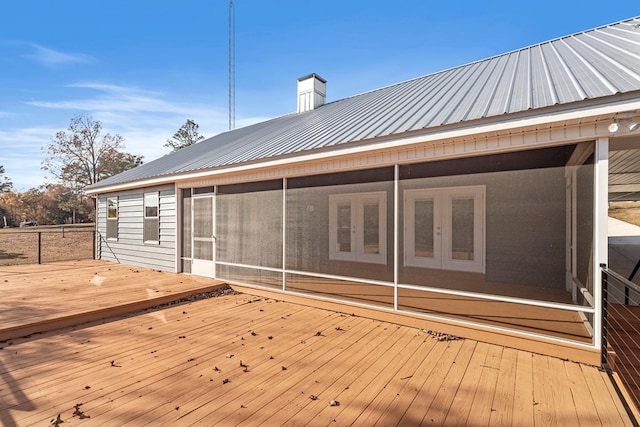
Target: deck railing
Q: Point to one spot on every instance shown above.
(50, 244)
(621, 333)
(634, 277)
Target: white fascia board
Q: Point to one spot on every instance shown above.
(387, 143)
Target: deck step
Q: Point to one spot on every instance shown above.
(633, 391)
(92, 314)
(628, 377)
(624, 346)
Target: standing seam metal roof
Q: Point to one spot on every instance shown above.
(592, 64)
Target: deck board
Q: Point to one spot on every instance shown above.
(247, 350)
(503, 398)
(482, 406)
(467, 388)
(381, 373)
(399, 371)
(441, 404)
(373, 385)
(404, 389)
(580, 393)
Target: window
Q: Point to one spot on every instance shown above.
(444, 228)
(358, 227)
(112, 218)
(151, 230)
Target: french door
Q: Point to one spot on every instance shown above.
(444, 228)
(203, 238)
(357, 224)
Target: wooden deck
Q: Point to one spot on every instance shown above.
(39, 298)
(252, 360)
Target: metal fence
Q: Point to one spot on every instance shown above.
(47, 245)
(621, 331)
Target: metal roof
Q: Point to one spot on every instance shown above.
(592, 64)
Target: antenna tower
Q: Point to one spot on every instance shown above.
(232, 66)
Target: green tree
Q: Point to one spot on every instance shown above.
(185, 136)
(82, 155)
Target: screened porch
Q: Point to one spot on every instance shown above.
(502, 240)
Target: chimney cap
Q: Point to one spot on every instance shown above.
(312, 75)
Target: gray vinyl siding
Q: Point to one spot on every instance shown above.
(524, 224)
(129, 247)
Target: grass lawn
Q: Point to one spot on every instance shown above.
(20, 245)
(626, 211)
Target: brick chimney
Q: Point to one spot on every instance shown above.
(312, 90)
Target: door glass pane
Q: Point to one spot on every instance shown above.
(462, 229)
(371, 228)
(202, 217)
(344, 227)
(423, 226)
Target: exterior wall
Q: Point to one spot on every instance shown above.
(526, 228)
(525, 217)
(309, 230)
(525, 224)
(584, 224)
(129, 247)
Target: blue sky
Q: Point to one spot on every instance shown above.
(144, 67)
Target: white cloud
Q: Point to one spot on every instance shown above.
(50, 57)
(26, 136)
(146, 119)
(122, 99)
(21, 155)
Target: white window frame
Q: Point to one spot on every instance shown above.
(443, 202)
(110, 219)
(146, 217)
(357, 202)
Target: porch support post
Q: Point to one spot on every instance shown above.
(177, 194)
(284, 234)
(396, 232)
(600, 229)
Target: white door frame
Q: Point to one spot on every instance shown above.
(203, 267)
(357, 203)
(442, 257)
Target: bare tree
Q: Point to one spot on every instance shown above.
(5, 182)
(82, 155)
(185, 136)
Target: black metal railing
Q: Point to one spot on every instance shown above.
(37, 246)
(634, 277)
(621, 334)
